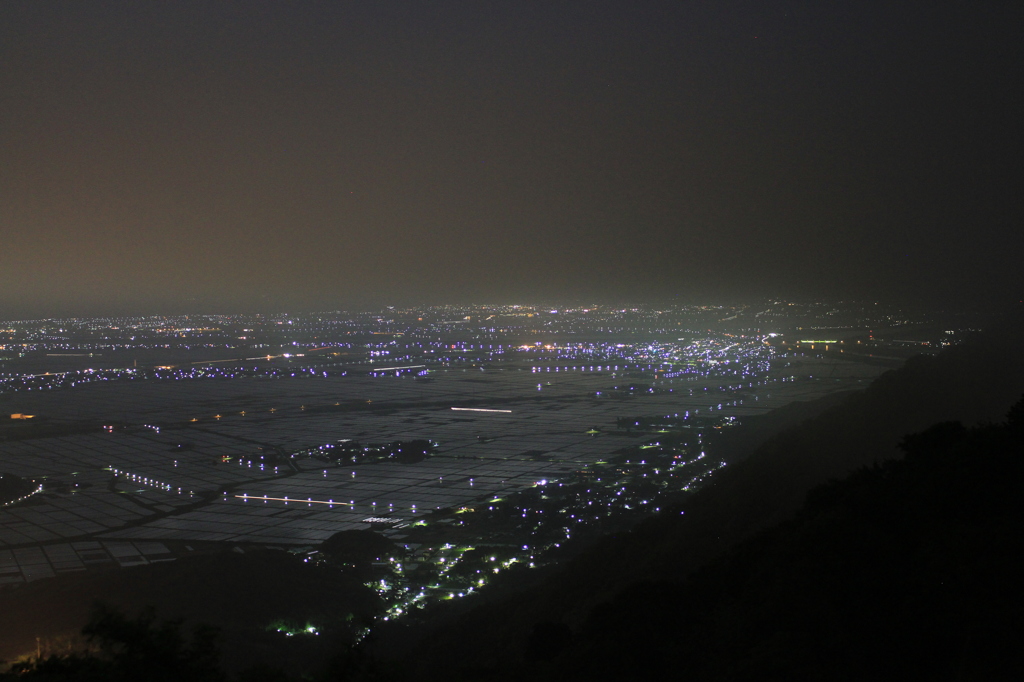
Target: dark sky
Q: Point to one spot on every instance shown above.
(179, 156)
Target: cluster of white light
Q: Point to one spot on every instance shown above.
(151, 482)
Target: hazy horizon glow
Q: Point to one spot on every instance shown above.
(216, 156)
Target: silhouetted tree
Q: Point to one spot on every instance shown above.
(139, 649)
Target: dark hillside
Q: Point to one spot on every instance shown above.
(970, 383)
(240, 594)
(907, 570)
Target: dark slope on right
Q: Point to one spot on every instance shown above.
(971, 383)
(908, 570)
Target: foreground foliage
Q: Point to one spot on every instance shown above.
(123, 648)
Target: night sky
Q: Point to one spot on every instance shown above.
(228, 156)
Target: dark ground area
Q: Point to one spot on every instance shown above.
(241, 594)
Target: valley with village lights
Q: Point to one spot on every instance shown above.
(466, 440)
(461, 341)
